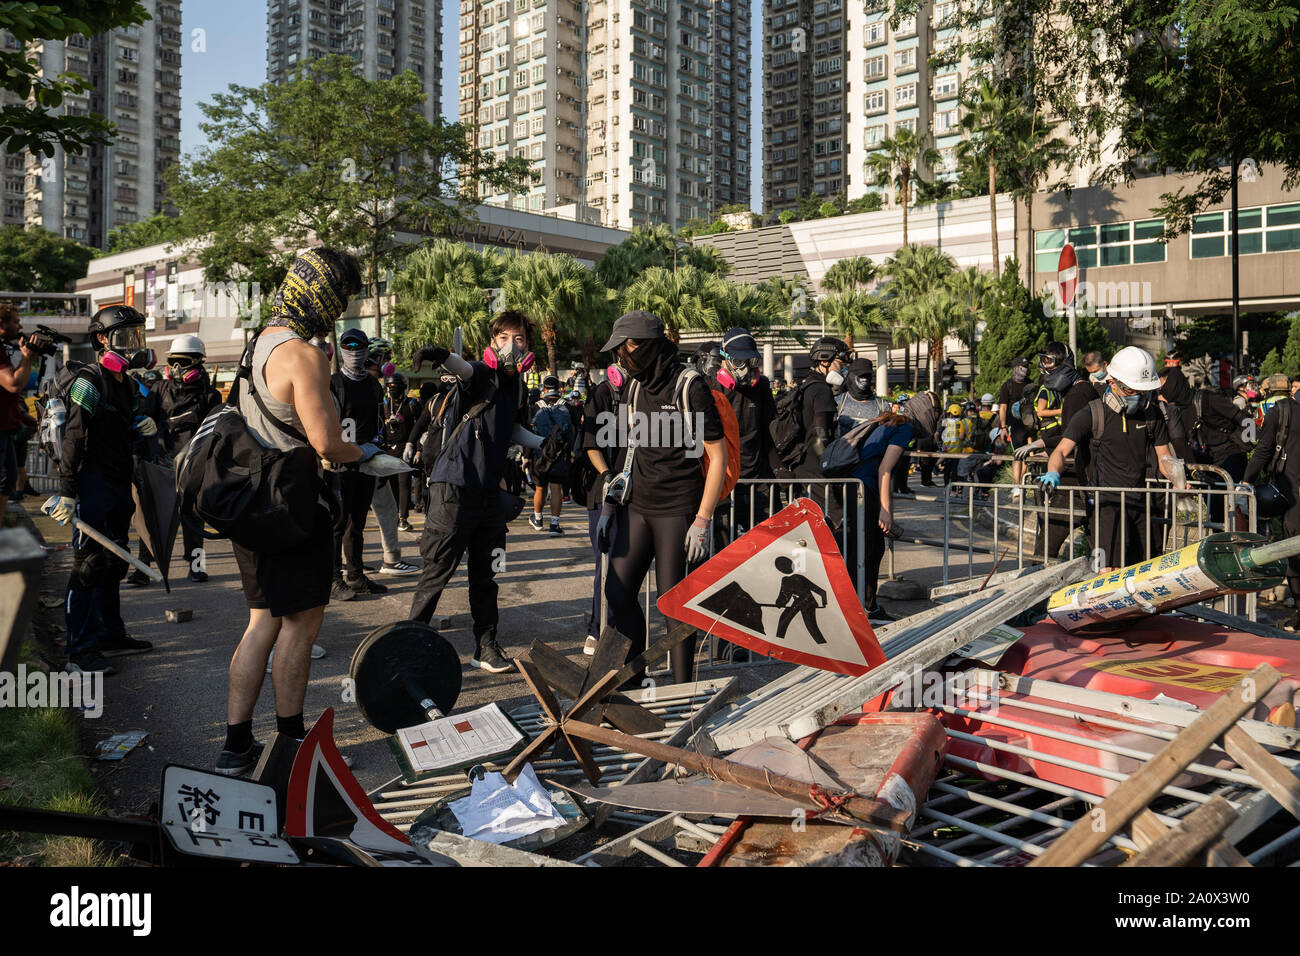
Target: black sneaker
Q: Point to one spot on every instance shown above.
(404, 525)
(339, 591)
(90, 662)
(878, 613)
(198, 577)
(1291, 623)
(488, 656)
(555, 528)
(139, 579)
(363, 585)
(230, 764)
(121, 646)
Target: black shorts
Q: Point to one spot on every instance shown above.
(289, 582)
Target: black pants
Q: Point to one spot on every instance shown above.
(460, 521)
(875, 549)
(899, 474)
(639, 540)
(93, 608)
(927, 464)
(401, 488)
(355, 491)
(1128, 524)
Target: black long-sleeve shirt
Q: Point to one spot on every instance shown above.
(99, 434)
(1264, 451)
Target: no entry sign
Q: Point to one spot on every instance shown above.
(1067, 274)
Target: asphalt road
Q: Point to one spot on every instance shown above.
(177, 691)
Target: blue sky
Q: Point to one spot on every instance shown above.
(234, 37)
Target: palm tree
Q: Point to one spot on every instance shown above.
(557, 292)
(853, 313)
(442, 286)
(1036, 152)
(741, 306)
(681, 299)
(913, 272)
(930, 318)
(849, 274)
(899, 160)
(992, 122)
(650, 246)
(970, 287)
(788, 298)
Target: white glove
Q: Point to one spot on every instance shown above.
(63, 510)
(408, 453)
(697, 540)
(145, 426)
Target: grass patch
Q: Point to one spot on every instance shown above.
(40, 767)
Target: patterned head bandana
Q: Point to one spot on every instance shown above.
(315, 292)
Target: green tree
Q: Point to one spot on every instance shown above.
(743, 306)
(970, 287)
(558, 293)
(853, 314)
(330, 157)
(990, 121)
(682, 299)
(789, 299)
(913, 272)
(849, 273)
(36, 260)
(654, 246)
(1288, 361)
(33, 118)
(158, 228)
(897, 161)
(1014, 324)
(440, 287)
(871, 202)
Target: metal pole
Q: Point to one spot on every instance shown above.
(1236, 275)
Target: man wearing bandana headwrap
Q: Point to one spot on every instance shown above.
(287, 591)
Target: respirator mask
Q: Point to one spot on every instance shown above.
(126, 350)
(184, 369)
(508, 359)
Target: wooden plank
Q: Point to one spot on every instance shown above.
(618, 850)
(1179, 845)
(1090, 833)
(468, 852)
(569, 679)
(1223, 853)
(1268, 772)
(1147, 829)
(611, 652)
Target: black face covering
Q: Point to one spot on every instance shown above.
(860, 386)
(658, 364)
(1061, 378)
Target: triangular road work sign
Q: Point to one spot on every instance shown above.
(782, 591)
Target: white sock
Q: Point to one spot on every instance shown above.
(537, 516)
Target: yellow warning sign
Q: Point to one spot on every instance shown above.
(1177, 673)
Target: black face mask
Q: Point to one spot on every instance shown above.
(859, 387)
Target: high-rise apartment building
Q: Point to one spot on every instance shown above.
(805, 107)
(633, 113)
(135, 72)
(385, 37)
(840, 80)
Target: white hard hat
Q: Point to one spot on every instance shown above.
(187, 345)
(986, 398)
(1135, 368)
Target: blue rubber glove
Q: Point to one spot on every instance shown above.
(368, 450)
(1051, 479)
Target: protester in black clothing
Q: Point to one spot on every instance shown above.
(670, 501)
(923, 410)
(1009, 397)
(1132, 426)
(187, 398)
(399, 413)
(1282, 426)
(95, 464)
(1075, 392)
(606, 448)
(467, 510)
(1178, 409)
(830, 357)
(750, 395)
(359, 396)
(1217, 430)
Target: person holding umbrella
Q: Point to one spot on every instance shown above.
(95, 468)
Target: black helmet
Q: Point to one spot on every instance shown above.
(123, 326)
(114, 317)
(397, 380)
(828, 349)
(708, 358)
(1057, 354)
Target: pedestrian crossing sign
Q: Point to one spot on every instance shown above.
(782, 591)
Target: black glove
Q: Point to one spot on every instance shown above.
(433, 354)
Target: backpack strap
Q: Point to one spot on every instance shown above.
(1098, 418)
(1279, 441)
(684, 379)
(245, 372)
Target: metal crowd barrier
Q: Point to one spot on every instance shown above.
(1170, 519)
(42, 476)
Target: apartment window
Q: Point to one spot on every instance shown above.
(521, 103)
(905, 95)
(539, 48)
(538, 98)
(502, 85)
(539, 73)
(638, 19)
(906, 27)
(946, 121)
(875, 33)
(538, 124)
(948, 159)
(904, 60)
(875, 102)
(639, 97)
(944, 13)
(638, 71)
(874, 67)
(535, 151)
(539, 22)
(521, 129)
(521, 52)
(521, 78)
(1261, 229)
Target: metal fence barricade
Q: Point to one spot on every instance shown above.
(42, 474)
(1045, 529)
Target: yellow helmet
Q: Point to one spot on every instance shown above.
(954, 409)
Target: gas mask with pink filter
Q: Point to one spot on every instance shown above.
(186, 369)
(509, 358)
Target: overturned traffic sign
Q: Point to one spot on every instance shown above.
(782, 591)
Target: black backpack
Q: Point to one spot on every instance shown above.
(54, 421)
(789, 438)
(263, 499)
(843, 456)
